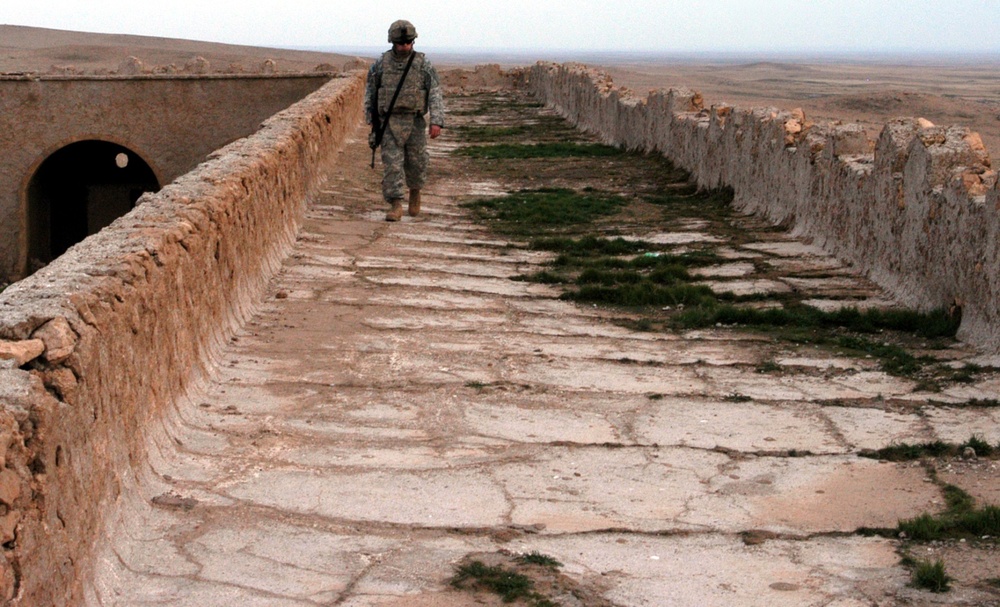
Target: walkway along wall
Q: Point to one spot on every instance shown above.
(917, 210)
(99, 342)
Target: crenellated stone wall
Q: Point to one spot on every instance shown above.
(94, 346)
(916, 210)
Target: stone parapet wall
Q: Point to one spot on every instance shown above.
(94, 346)
(916, 210)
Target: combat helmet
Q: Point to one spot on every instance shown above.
(402, 31)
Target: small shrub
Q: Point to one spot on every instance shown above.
(931, 576)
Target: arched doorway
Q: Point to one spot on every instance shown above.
(79, 190)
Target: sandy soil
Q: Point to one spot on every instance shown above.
(30, 49)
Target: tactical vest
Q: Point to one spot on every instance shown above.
(413, 96)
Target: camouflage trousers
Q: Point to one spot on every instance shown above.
(404, 155)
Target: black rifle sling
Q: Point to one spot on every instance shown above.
(392, 104)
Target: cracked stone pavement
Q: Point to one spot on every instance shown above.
(397, 402)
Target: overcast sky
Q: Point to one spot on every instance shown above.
(971, 26)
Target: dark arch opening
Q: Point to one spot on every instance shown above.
(79, 190)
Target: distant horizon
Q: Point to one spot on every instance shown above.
(880, 28)
(724, 56)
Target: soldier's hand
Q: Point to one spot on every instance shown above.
(371, 140)
(435, 131)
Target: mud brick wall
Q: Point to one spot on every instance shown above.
(94, 346)
(916, 210)
(170, 121)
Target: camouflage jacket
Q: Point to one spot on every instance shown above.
(429, 82)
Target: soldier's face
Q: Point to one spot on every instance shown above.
(402, 48)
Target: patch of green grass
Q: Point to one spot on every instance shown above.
(893, 359)
(809, 324)
(686, 201)
(488, 133)
(985, 403)
(980, 446)
(508, 584)
(768, 366)
(518, 151)
(678, 194)
(736, 397)
(933, 324)
(532, 211)
(644, 293)
(931, 576)
(544, 277)
(958, 501)
(967, 374)
(537, 558)
(966, 521)
(643, 325)
(906, 452)
(511, 586)
(490, 105)
(589, 246)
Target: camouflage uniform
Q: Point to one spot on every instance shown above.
(404, 146)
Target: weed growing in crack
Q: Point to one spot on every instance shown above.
(980, 446)
(810, 325)
(590, 246)
(489, 133)
(519, 151)
(768, 366)
(929, 325)
(537, 558)
(904, 452)
(508, 584)
(970, 523)
(985, 403)
(645, 293)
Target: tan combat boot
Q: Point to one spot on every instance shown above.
(396, 212)
(414, 208)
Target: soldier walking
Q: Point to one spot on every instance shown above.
(402, 89)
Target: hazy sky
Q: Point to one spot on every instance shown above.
(625, 25)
